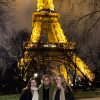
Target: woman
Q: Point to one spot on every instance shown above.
(31, 91)
(62, 91)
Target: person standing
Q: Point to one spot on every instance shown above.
(30, 92)
(46, 88)
(62, 91)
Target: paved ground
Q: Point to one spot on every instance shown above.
(91, 99)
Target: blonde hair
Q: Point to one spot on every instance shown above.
(63, 81)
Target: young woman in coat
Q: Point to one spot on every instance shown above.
(30, 92)
(62, 91)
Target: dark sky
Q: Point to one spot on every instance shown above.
(88, 27)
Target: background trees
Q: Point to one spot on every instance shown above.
(80, 20)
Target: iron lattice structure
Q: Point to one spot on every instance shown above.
(48, 44)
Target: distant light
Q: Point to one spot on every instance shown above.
(79, 78)
(45, 45)
(35, 74)
(53, 46)
(24, 79)
(31, 45)
(72, 85)
(49, 45)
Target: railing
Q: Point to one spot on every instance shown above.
(51, 46)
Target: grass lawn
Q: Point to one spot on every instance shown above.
(10, 97)
(78, 95)
(88, 94)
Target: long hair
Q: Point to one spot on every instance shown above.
(28, 86)
(63, 81)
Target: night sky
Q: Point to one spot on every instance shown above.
(80, 21)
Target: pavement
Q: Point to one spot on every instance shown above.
(98, 98)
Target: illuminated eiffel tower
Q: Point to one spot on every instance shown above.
(48, 44)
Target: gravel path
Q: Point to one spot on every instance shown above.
(91, 99)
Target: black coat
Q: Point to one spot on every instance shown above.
(26, 95)
(68, 94)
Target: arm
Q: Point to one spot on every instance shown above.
(26, 95)
(23, 96)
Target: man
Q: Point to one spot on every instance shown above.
(46, 89)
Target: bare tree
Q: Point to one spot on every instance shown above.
(18, 42)
(6, 7)
(80, 20)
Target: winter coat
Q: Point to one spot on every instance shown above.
(68, 95)
(51, 89)
(26, 95)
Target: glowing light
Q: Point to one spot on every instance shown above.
(59, 33)
(83, 68)
(50, 45)
(45, 4)
(47, 26)
(36, 32)
(35, 74)
(45, 45)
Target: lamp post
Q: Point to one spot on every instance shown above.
(35, 74)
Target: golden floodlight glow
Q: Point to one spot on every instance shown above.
(36, 32)
(63, 71)
(59, 33)
(45, 4)
(77, 71)
(47, 25)
(47, 31)
(83, 68)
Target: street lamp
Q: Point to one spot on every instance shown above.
(35, 74)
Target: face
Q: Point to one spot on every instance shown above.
(46, 81)
(33, 83)
(58, 80)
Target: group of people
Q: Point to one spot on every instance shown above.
(56, 90)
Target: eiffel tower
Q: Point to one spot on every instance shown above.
(48, 45)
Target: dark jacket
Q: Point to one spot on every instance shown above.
(51, 89)
(68, 94)
(26, 95)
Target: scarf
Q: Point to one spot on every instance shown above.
(51, 89)
(62, 94)
(35, 94)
